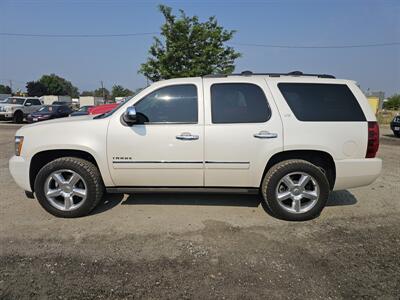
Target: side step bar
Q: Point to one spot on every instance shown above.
(140, 190)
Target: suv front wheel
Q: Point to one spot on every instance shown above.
(18, 117)
(69, 187)
(295, 190)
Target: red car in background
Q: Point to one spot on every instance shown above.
(101, 109)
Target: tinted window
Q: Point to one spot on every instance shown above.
(321, 102)
(47, 108)
(19, 101)
(238, 103)
(63, 109)
(28, 101)
(35, 101)
(175, 104)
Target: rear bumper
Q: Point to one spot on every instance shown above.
(351, 173)
(19, 169)
(395, 126)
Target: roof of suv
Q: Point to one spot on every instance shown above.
(294, 73)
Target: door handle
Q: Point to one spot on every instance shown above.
(187, 136)
(263, 134)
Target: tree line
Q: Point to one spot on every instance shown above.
(56, 85)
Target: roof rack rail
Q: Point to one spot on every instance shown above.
(250, 73)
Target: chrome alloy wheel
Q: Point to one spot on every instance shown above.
(65, 190)
(297, 192)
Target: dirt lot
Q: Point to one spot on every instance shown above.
(202, 246)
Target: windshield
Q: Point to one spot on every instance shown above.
(49, 108)
(84, 108)
(19, 101)
(107, 114)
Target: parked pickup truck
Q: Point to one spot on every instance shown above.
(16, 108)
(291, 137)
(395, 126)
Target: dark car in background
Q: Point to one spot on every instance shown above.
(395, 126)
(84, 110)
(49, 112)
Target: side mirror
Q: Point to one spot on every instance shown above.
(28, 104)
(129, 116)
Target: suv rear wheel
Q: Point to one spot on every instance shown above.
(69, 187)
(295, 190)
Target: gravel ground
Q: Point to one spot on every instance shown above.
(203, 246)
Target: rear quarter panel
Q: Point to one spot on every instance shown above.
(342, 140)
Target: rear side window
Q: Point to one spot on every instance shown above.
(238, 103)
(321, 102)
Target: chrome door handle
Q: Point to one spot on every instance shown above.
(187, 136)
(263, 134)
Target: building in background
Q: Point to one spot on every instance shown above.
(375, 100)
(90, 100)
(49, 99)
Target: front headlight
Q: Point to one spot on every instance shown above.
(19, 140)
(7, 108)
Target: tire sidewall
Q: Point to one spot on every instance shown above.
(273, 178)
(18, 117)
(59, 164)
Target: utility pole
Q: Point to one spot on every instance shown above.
(102, 90)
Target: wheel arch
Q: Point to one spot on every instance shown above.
(43, 157)
(319, 158)
(18, 110)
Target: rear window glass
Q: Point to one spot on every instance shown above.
(321, 102)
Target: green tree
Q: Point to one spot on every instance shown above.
(99, 93)
(120, 91)
(190, 48)
(87, 93)
(36, 89)
(56, 85)
(5, 89)
(392, 103)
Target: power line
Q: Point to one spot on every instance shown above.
(369, 45)
(76, 35)
(318, 47)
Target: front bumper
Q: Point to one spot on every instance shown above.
(5, 115)
(19, 169)
(33, 119)
(351, 173)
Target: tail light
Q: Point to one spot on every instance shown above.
(373, 139)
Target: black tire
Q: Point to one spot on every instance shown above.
(18, 117)
(280, 170)
(396, 133)
(83, 168)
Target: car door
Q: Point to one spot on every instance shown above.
(36, 104)
(28, 107)
(243, 130)
(167, 147)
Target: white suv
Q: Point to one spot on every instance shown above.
(16, 108)
(292, 137)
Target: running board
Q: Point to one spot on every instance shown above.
(211, 190)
